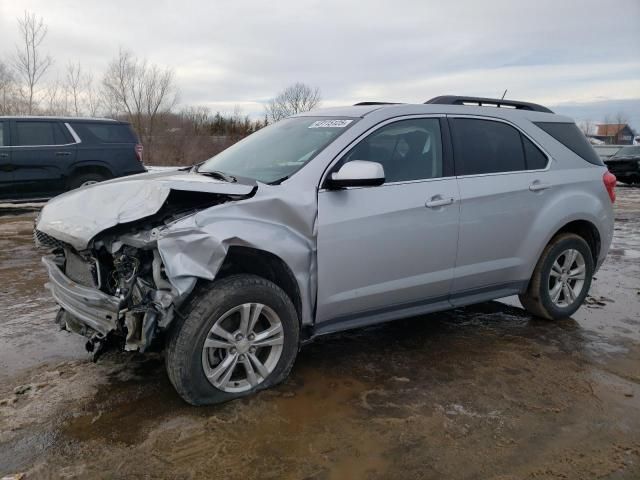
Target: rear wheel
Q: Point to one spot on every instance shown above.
(238, 335)
(561, 279)
(85, 179)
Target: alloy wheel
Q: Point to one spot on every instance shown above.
(566, 279)
(242, 347)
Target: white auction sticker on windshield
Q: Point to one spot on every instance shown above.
(330, 124)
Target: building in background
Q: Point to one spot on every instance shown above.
(614, 134)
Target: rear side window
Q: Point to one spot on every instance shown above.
(571, 137)
(485, 146)
(102, 132)
(39, 134)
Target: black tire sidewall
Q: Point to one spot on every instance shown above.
(211, 304)
(575, 243)
(77, 181)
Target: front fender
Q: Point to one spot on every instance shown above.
(197, 246)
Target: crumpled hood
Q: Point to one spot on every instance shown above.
(78, 216)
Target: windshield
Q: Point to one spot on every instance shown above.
(279, 150)
(624, 151)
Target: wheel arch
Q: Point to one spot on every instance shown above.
(240, 259)
(83, 169)
(588, 231)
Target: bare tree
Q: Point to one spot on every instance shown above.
(588, 127)
(93, 102)
(29, 62)
(8, 94)
(73, 86)
(621, 118)
(296, 98)
(141, 91)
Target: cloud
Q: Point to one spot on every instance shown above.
(243, 52)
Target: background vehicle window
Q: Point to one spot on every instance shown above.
(485, 146)
(536, 160)
(407, 150)
(39, 133)
(571, 137)
(3, 142)
(104, 132)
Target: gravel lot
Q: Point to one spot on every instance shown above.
(483, 392)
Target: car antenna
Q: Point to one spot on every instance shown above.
(505, 92)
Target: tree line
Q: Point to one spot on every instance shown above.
(132, 89)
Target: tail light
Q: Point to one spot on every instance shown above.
(139, 150)
(609, 180)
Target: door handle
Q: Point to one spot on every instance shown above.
(537, 186)
(63, 154)
(437, 201)
(4, 155)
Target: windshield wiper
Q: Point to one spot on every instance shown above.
(219, 175)
(278, 181)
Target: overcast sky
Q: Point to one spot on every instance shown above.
(581, 57)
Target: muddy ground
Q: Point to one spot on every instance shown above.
(485, 392)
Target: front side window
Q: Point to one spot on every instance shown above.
(39, 133)
(276, 152)
(486, 146)
(407, 150)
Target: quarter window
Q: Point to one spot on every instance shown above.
(39, 133)
(485, 146)
(536, 160)
(407, 150)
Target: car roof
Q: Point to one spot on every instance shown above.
(63, 118)
(389, 110)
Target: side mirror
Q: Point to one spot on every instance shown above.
(357, 173)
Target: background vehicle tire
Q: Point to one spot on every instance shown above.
(561, 279)
(85, 179)
(267, 344)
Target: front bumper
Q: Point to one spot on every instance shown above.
(91, 306)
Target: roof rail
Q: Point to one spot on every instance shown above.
(359, 104)
(494, 102)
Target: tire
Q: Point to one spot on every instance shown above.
(537, 299)
(187, 360)
(85, 179)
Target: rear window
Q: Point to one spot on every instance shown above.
(571, 137)
(101, 132)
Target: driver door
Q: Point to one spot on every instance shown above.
(389, 251)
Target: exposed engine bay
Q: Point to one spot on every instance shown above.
(123, 262)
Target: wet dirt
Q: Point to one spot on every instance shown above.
(480, 392)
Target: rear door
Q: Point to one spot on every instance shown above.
(389, 249)
(6, 168)
(504, 179)
(42, 154)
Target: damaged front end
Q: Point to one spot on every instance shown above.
(113, 288)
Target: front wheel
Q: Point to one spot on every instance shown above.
(561, 279)
(237, 335)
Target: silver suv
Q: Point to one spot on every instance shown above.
(327, 221)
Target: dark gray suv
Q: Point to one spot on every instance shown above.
(41, 157)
